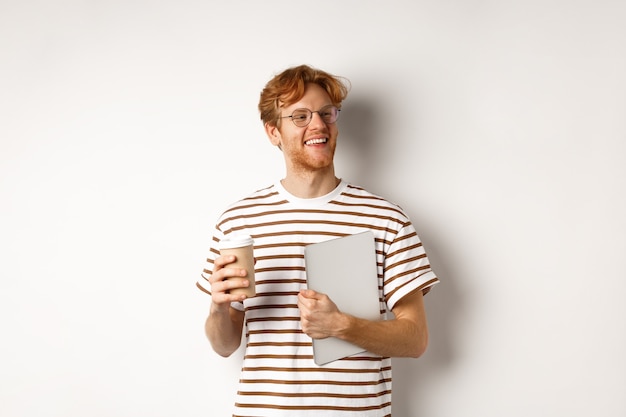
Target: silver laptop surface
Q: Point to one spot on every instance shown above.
(345, 270)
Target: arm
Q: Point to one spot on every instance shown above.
(404, 336)
(224, 324)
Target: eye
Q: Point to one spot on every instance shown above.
(328, 112)
(299, 116)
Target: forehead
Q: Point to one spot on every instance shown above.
(314, 97)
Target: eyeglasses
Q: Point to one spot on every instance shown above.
(302, 117)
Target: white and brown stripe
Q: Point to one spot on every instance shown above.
(278, 376)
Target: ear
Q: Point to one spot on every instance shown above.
(273, 134)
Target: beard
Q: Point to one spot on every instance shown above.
(310, 160)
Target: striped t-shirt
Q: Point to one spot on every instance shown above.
(279, 376)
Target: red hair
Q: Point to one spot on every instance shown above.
(288, 87)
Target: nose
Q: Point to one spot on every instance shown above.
(316, 120)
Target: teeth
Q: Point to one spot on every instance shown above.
(315, 141)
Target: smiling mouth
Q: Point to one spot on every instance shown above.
(316, 141)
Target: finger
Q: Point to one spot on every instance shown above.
(220, 291)
(226, 298)
(304, 307)
(305, 302)
(222, 261)
(222, 274)
(308, 293)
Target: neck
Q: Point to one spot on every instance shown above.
(310, 186)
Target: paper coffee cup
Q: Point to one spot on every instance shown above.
(242, 247)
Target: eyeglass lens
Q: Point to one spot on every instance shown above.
(302, 117)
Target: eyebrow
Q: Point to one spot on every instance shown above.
(306, 108)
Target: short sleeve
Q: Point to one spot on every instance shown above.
(406, 267)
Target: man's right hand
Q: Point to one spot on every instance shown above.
(224, 324)
(224, 279)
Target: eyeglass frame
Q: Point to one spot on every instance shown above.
(310, 112)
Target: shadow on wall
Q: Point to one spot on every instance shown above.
(358, 146)
(444, 306)
(363, 150)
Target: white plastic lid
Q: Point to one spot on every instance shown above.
(235, 241)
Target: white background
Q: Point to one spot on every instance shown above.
(127, 126)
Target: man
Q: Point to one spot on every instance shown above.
(299, 109)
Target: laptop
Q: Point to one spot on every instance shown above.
(345, 269)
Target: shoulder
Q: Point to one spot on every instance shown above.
(354, 194)
(259, 201)
(260, 196)
(360, 192)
